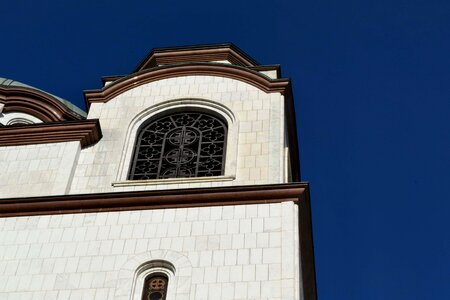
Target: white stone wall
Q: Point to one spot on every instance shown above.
(37, 170)
(258, 122)
(230, 252)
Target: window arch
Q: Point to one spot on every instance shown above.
(19, 121)
(178, 145)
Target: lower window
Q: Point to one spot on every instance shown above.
(155, 287)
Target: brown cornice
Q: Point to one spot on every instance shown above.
(37, 103)
(198, 53)
(87, 132)
(178, 198)
(212, 69)
(275, 68)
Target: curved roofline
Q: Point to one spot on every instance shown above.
(133, 80)
(48, 108)
(10, 83)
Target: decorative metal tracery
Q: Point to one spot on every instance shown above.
(155, 287)
(190, 144)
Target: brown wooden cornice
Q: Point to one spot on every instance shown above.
(197, 53)
(178, 198)
(37, 103)
(258, 68)
(87, 132)
(212, 69)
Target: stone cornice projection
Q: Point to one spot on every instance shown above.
(198, 53)
(123, 84)
(87, 132)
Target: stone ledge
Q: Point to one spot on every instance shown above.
(87, 132)
(172, 181)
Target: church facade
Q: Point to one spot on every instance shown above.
(181, 182)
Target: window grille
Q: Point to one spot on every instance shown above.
(190, 144)
(155, 287)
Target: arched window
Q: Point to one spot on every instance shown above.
(155, 287)
(182, 144)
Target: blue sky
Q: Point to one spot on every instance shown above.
(371, 81)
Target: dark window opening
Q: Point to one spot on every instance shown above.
(190, 144)
(155, 287)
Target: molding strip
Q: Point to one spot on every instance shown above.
(196, 53)
(87, 132)
(179, 198)
(133, 80)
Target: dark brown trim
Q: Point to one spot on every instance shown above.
(87, 132)
(276, 68)
(230, 71)
(197, 53)
(308, 268)
(37, 103)
(180, 198)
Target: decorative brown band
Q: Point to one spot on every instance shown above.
(152, 199)
(37, 103)
(87, 132)
(275, 68)
(208, 69)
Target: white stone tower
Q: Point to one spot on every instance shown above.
(182, 182)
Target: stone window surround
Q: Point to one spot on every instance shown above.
(173, 264)
(180, 144)
(148, 269)
(185, 104)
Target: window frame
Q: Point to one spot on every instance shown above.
(153, 268)
(150, 277)
(193, 104)
(170, 115)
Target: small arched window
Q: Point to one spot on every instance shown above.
(155, 287)
(187, 144)
(19, 121)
